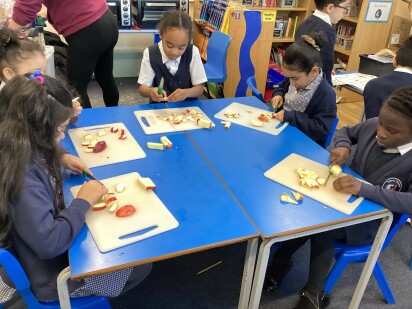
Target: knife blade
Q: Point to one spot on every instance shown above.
(91, 177)
(327, 178)
(160, 88)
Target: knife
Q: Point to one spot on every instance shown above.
(160, 88)
(327, 178)
(87, 175)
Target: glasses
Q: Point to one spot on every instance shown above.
(345, 8)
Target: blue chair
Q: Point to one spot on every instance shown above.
(251, 82)
(216, 52)
(22, 286)
(345, 255)
(332, 131)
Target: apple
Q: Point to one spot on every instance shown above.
(101, 132)
(88, 150)
(204, 123)
(263, 118)
(114, 129)
(88, 136)
(125, 211)
(256, 122)
(113, 207)
(321, 181)
(110, 201)
(99, 147)
(146, 183)
(335, 170)
(166, 142)
(158, 146)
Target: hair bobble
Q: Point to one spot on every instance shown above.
(38, 75)
(310, 41)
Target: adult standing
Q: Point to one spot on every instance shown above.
(91, 32)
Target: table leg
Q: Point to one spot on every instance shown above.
(248, 269)
(371, 261)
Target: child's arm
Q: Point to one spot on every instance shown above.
(181, 94)
(396, 201)
(145, 81)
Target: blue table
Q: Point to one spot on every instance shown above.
(190, 189)
(241, 155)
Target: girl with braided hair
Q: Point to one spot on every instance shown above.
(304, 97)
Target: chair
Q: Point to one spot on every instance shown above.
(345, 255)
(22, 286)
(216, 53)
(332, 131)
(251, 82)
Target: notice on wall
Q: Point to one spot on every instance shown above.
(378, 11)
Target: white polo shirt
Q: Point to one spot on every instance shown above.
(197, 71)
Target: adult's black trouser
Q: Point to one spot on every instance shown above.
(91, 50)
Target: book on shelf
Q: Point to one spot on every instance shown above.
(285, 26)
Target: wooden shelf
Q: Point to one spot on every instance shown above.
(346, 52)
(351, 19)
(284, 40)
(292, 9)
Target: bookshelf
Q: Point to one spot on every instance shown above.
(233, 23)
(368, 38)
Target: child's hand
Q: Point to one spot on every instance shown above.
(77, 108)
(280, 115)
(157, 97)
(74, 164)
(178, 95)
(91, 191)
(339, 155)
(277, 102)
(347, 184)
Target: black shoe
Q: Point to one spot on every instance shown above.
(313, 301)
(275, 273)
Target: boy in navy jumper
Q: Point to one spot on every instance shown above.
(328, 13)
(379, 89)
(305, 98)
(384, 158)
(174, 61)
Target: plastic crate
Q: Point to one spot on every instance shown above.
(274, 78)
(373, 67)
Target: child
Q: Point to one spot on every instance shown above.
(21, 56)
(174, 61)
(384, 158)
(327, 13)
(379, 89)
(35, 225)
(308, 101)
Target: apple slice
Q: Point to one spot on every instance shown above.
(113, 207)
(114, 129)
(158, 146)
(86, 143)
(166, 142)
(287, 199)
(93, 143)
(204, 123)
(125, 211)
(120, 188)
(98, 206)
(256, 122)
(298, 196)
(321, 181)
(101, 132)
(263, 118)
(88, 136)
(88, 150)
(110, 201)
(146, 183)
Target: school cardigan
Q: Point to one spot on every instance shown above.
(396, 172)
(66, 16)
(317, 119)
(40, 237)
(379, 89)
(316, 24)
(172, 82)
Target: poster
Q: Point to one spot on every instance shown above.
(378, 11)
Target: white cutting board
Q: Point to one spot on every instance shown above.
(107, 229)
(152, 120)
(246, 113)
(116, 150)
(285, 173)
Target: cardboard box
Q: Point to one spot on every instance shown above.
(400, 30)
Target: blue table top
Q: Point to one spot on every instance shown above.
(242, 155)
(208, 215)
